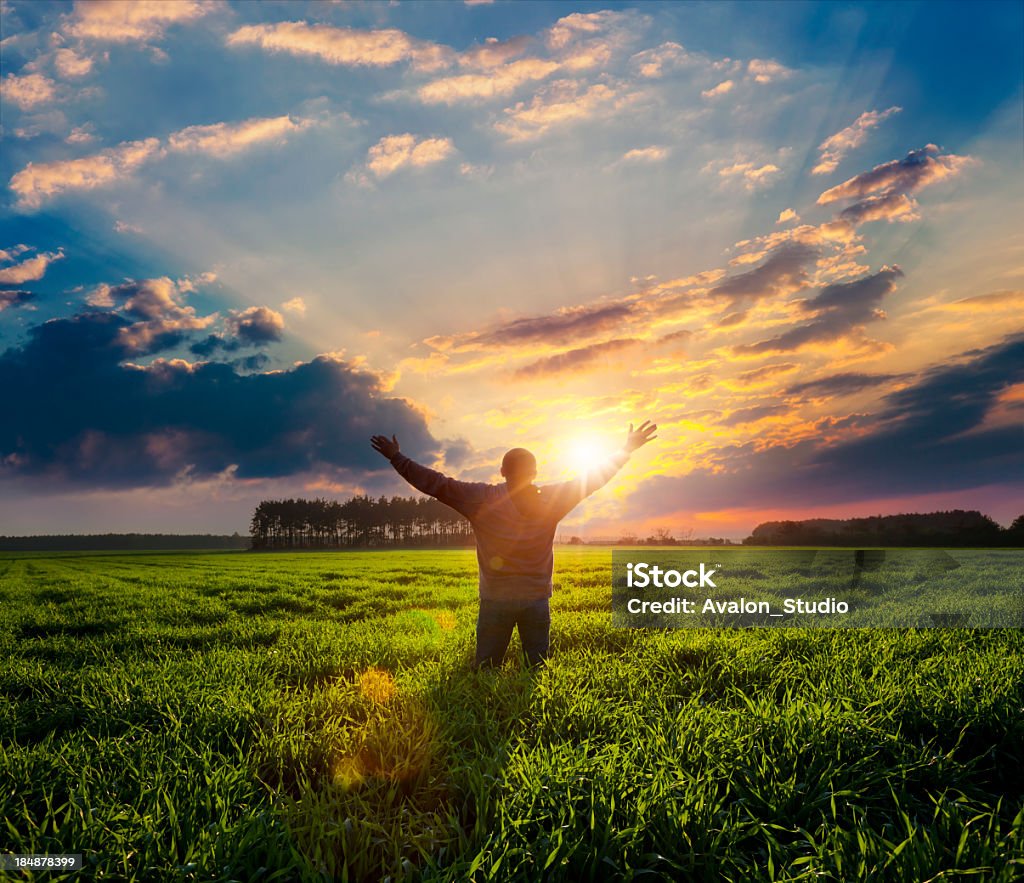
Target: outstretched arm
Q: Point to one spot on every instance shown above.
(571, 493)
(462, 496)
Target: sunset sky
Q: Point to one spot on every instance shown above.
(237, 239)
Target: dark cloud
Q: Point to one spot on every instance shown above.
(755, 375)
(456, 452)
(841, 384)
(886, 191)
(562, 327)
(732, 319)
(673, 336)
(838, 309)
(929, 437)
(161, 320)
(14, 298)
(782, 272)
(214, 343)
(75, 411)
(257, 325)
(752, 414)
(575, 360)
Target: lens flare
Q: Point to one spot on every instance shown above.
(584, 454)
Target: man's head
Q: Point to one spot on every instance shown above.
(518, 467)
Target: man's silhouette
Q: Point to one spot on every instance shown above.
(514, 524)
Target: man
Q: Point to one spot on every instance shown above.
(514, 524)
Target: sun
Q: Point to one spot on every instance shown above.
(586, 453)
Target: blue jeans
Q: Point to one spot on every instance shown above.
(494, 627)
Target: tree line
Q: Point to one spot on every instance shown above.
(951, 528)
(359, 522)
(122, 542)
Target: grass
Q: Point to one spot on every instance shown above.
(229, 716)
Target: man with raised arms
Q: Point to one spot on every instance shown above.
(514, 524)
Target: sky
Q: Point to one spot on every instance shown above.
(238, 239)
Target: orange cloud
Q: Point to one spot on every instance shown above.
(394, 152)
(70, 64)
(654, 153)
(37, 183)
(575, 360)
(497, 82)
(344, 46)
(766, 71)
(560, 102)
(722, 88)
(835, 147)
(898, 177)
(118, 21)
(28, 270)
(225, 139)
(652, 63)
(27, 91)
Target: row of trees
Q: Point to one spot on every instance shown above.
(358, 522)
(951, 528)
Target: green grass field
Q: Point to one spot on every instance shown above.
(241, 716)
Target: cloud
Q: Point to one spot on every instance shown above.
(496, 82)
(37, 183)
(742, 416)
(589, 39)
(653, 63)
(722, 88)
(767, 71)
(558, 103)
(28, 270)
(835, 148)
(125, 227)
(760, 376)
(886, 192)
(493, 53)
(14, 298)
(138, 20)
(839, 309)
(256, 325)
(115, 424)
(11, 254)
(344, 46)
(559, 328)
(152, 313)
(27, 91)
(394, 152)
(929, 437)
(654, 153)
(576, 359)
(225, 139)
(787, 215)
(296, 305)
(81, 134)
(992, 302)
(70, 64)
(936, 425)
(841, 384)
(753, 176)
(783, 272)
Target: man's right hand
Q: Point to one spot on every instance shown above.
(386, 447)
